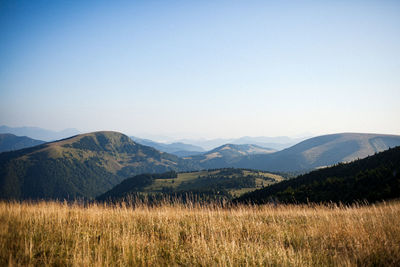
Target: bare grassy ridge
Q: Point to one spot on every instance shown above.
(50, 233)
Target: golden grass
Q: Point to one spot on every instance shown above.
(276, 177)
(50, 233)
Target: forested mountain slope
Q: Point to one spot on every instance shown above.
(374, 178)
(81, 166)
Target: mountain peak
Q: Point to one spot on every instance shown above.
(99, 141)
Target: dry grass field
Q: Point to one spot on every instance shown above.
(51, 233)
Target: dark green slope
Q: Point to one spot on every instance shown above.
(134, 184)
(81, 166)
(321, 151)
(10, 142)
(373, 179)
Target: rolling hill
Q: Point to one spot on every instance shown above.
(227, 155)
(277, 143)
(85, 166)
(178, 148)
(372, 179)
(9, 142)
(320, 152)
(204, 185)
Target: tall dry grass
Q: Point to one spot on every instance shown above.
(50, 233)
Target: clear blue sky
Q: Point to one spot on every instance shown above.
(201, 68)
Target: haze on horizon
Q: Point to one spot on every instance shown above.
(208, 69)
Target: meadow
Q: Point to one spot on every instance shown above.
(62, 234)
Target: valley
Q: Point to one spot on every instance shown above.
(218, 184)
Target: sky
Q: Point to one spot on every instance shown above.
(211, 69)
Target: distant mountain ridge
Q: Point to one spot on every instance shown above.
(277, 143)
(182, 147)
(227, 155)
(84, 165)
(10, 142)
(321, 151)
(178, 148)
(39, 133)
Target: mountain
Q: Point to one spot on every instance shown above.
(186, 153)
(9, 142)
(227, 155)
(203, 185)
(277, 143)
(372, 179)
(320, 152)
(39, 133)
(85, 165)
(179, 149)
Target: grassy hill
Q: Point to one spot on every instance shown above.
(204, 185)
(9, 142)
(373, 179)
(227, 155)
(178, 148)
(321, 151)
(81, 166)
